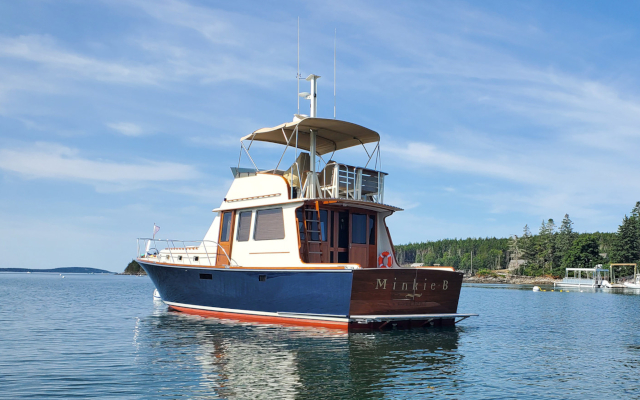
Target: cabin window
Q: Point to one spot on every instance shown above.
(244, 226)
(180, 258)
(343, 230)
(324, 216)
(196, 258)
(269, 224)
(359, 229)
(300, 218)
(226, 227)
(372, 229)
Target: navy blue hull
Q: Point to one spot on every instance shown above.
(299, 292)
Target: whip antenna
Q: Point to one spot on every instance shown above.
(335, 35)
(298, 73)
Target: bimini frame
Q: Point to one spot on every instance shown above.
(319, 136)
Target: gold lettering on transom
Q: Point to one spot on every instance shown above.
(405, 286)
(445, 285)
(381, 283)
(433, 286)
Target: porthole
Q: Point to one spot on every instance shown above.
(180, 258)
(196, 258)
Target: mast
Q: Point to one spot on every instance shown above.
(312, 145)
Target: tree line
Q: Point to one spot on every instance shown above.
(549, 252)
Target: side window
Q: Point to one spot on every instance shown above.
(359, 228)
(269, 224)
(226, 227)
(244, 226)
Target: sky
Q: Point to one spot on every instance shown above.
(115, 115)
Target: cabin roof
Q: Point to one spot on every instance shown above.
(332, 134)
(367, 205)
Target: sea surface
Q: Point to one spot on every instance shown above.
(102, 336)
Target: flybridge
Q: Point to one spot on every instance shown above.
(310, 137)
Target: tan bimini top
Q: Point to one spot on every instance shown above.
(332, 134)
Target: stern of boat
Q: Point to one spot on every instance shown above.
(405, 297)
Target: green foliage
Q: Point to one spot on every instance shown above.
(547, 253)
(134, 269)
(626, 247)
(584, 253)
(488, 253)
(566, 238)
(486, 272)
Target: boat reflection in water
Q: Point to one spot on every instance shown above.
(230, 359)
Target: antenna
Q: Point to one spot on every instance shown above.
(298, 74)
(335, 35)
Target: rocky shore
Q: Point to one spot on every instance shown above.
(511, 279)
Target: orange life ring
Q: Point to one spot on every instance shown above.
(383, 255)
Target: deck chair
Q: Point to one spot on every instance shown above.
(296, 175)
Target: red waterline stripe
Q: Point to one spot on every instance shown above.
(264, 318)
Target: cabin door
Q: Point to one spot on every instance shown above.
(225, 238)
(342, 236)
(359, 250)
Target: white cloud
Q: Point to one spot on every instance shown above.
(429, 154)
(126, 128)
(51, 161)
(44, 50)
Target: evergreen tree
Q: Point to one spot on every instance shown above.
(545, 247)
(626, 247)
(584, 253)
(526, 245)
(550, 245)
(565, 239)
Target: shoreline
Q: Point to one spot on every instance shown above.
(511, 280)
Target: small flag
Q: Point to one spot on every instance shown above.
(156, 228)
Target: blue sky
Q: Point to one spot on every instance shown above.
(118, 114)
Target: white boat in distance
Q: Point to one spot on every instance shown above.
(635, 283)
(593, 277)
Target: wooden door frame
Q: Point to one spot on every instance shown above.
(372, 261)
(220, 253)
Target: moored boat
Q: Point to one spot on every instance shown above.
(593, 277)
(307, 245)
(634, 283)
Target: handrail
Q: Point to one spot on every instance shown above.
(170, 245)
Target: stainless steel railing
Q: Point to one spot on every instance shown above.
(188, 252)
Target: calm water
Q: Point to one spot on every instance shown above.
(102, 336)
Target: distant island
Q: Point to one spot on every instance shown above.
(65, 270)
(134, 269)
